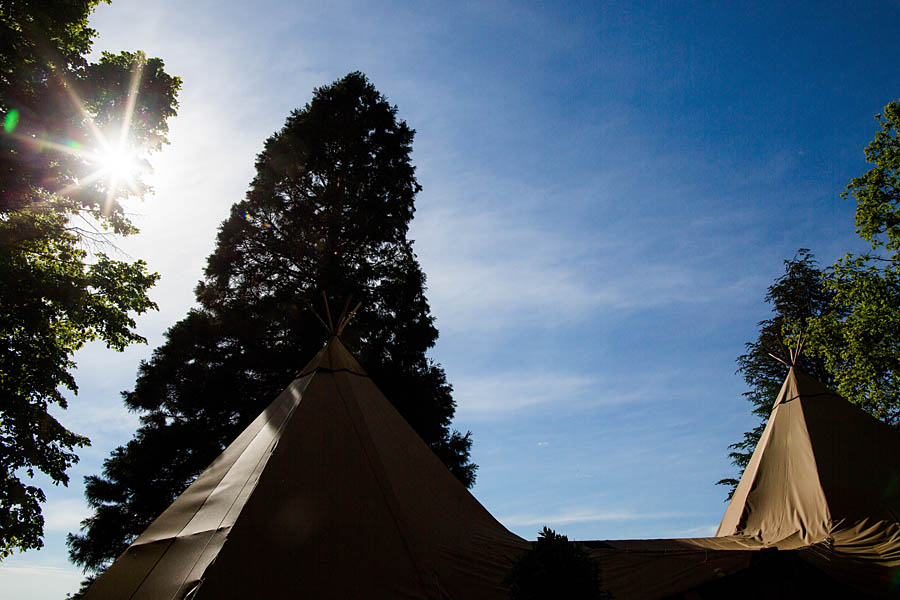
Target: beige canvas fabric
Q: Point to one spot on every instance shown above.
(328, 494)
(823, 468)
(815, 514)
(647, 569)
(825, 479)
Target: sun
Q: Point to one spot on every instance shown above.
(112, 162)
(117, 165)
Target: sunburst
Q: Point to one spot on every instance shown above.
(113, 162)
(118, 166)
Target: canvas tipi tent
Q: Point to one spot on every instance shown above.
(817, 512)
(329, 493)
(825, 477)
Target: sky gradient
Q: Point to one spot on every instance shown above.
(608, 190)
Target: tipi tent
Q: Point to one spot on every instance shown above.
(817, 512)
(825, 477)
(329, 493)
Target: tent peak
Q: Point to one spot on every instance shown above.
(333, 357)
(343, 319)
(793, 353)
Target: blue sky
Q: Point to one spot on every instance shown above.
(608, 191)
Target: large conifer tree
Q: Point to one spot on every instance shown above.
(328, 211)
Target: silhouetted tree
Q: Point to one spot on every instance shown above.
(328, 210)
(554, 567)
(61, 118)
(797, 297)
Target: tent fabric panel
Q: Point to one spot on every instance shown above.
(736, 567)
(255, 439)
(202, 508)
(651, 569)
(773, 574)
(171, 579)
(735, 513)
(858, 455)
(866, 558)
(783, 498)
(677, 545)
(317, 524)
(132, 580)
(468, 550)
(786, 497)
(128, 572)
(226, 499)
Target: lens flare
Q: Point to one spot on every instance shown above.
(10, 121)
(113, 161)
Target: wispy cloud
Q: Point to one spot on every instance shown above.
(64, 515)
(25, 579)
(583, 515)
(489, 271)
(497, 394)
(30, 570)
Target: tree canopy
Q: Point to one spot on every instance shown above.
(860, 339)
(63, 117)
(848, 314)
(328, 211)
(554, 567)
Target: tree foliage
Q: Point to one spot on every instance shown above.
(877, 191)
(849, 314)
(860, 339)
(56, 204)
(328, 210)
(554, 568)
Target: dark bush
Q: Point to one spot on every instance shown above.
(554, 568)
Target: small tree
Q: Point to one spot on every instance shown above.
(554, 568)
